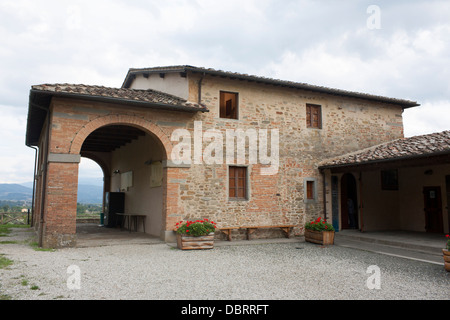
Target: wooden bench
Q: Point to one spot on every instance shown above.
(286, 229)
(227, 231)
(251, 229)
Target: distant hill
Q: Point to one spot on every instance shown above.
(89, 194)
(15, 192)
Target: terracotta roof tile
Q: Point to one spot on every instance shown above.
(424, 145)
(122, 94)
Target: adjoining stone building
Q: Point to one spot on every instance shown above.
(137, 133)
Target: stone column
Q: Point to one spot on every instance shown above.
(174, 176)
(59, 225)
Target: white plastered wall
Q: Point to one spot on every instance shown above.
(140, 198)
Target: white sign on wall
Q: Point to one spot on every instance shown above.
(156, 174)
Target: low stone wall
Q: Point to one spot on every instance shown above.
(90, 220)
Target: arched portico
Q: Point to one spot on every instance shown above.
(59, 229)
(120, 119)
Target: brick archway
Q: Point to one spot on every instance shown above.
(170, 189)
(120, 119)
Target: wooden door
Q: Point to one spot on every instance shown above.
(433, 209)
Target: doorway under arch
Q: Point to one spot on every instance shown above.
(349, 202)
(128, 155)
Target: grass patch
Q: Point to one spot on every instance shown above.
(25, 283)
(5, 262)
(5, 229)
(8, 242)
(36, 247)
(5, 297)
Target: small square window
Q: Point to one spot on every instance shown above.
(237, 183)
(228, 105)
(314, 116)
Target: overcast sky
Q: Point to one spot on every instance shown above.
(401, 50)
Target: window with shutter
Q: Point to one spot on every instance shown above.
(228, 105)
(237, 183)
(310, 190)
(314, 116)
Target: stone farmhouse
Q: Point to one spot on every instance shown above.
(184, 142)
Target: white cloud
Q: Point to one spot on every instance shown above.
(399, 65)
(89, 169)
(16, 160)
(428, 118)
(325, 43)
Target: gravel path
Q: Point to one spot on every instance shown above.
(290, 271)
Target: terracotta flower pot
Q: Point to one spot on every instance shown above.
(446, 259)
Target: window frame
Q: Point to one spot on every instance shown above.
(310, 116)
(221, 106)
(236, 187)
(308, 182)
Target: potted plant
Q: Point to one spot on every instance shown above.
(319, 231)
(192, 235)
(446, 252)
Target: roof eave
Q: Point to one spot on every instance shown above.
(35, 105)
(147, 104)
(383, 161)
(132, 72)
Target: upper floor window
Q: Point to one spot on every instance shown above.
(228, 105)
(314, 116)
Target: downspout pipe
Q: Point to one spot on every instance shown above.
(200, 89)
(45, 174)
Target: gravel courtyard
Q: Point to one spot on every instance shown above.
(286, 271)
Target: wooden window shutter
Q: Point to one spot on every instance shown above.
(316, 117)
(309, 190)
(308, 116)
(237, 183)
(313, 116)
(229, 105)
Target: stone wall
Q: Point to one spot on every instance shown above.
(348, 125)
